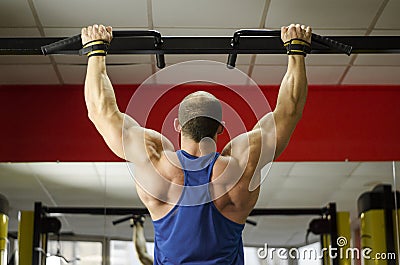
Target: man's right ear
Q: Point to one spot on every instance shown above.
(177, 125)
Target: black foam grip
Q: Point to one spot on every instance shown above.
(61, 44)
(332, 44)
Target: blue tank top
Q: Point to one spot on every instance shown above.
(194, 231)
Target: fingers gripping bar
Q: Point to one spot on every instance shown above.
(62, 44)
(341, 47)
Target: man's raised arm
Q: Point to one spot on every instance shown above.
(99, 93)
(293, 90)
(256, 148)
(103, 110)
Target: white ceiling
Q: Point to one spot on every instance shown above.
(48, 18)
(288, 185)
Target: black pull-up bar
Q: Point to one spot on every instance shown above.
(62, 44)
(151, 42)
(276, 33)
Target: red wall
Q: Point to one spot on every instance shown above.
(49, 123)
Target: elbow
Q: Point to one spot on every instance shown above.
(92, 115)
(95, 116)
(92, 110)
(103, 111)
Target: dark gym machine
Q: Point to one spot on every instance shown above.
(42, 225)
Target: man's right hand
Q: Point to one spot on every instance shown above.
(96, 32)
(296, 32)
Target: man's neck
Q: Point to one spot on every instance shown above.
(204, 147)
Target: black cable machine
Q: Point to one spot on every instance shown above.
(41, 222)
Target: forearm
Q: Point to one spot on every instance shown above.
(293, 91)
(99, 93)
(291, 100)
(140, 245)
